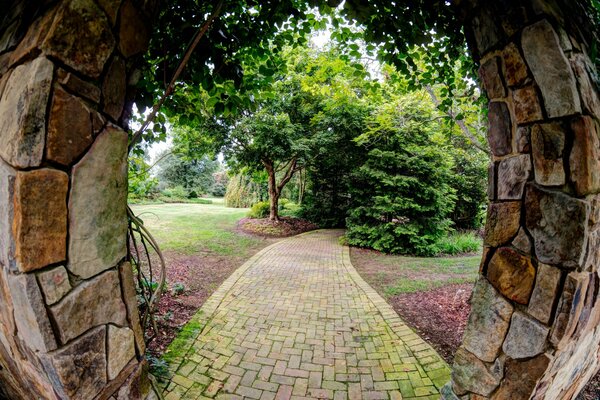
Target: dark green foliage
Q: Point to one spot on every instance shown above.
(402, 197)
(194, 175)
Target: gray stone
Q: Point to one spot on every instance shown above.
(33, 325)
(485, 30)
(97, 206)
(526, 337)
(7, 192)
(502, 222)
(523, 139)
(544, 293)
(551, 69)
(23, 110)
(78, 370)
(584, 160)
(548, 144)
(121, 350)
(489, 73)
(113, 89)
(130, 297)
(521, 378)
(491, 188)
(54, 283)
(473, 375)
(78, 85)
(499, 134)
(80, 37)
(569, 309)
(489, 319)
(513, 174)
(587, 87)
(92, 303)
(522, 242)
(558, 225)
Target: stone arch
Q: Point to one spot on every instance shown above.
(65, 290)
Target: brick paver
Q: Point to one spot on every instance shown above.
(298, 322)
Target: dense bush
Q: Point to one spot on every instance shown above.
(242, 191)
(401, 193)
(259, 210)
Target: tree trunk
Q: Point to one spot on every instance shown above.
(273, 194)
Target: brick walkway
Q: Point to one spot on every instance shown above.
(297, 321)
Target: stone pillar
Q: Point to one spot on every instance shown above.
(534, 327)
(69, 327)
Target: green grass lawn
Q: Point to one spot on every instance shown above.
(197, 228)
(392, 275)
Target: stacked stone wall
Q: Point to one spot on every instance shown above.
(69, 327)
(534, 327)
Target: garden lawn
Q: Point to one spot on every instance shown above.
(202, 247)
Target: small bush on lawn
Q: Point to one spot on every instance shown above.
(259, 210)
(459, 243)
(177, 192)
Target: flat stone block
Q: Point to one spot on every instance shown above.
(473, 375)
(526, 337)
(551, 69)
(23, 109)
(544, 292)
(500, 129)
(548, 145)
(488, 321)
(97, 206)
(40, 218)
(121, 349)
(513, 174)
(512, 274)
(584, 160)
(54, 283)
(92, 303)
(502, 222)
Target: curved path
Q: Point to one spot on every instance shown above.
(297, 321)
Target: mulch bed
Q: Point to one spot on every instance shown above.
(286, 226)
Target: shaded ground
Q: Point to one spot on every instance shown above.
(285, 227)
(438, 310)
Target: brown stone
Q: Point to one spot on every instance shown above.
(489, 319)
(92, 303)
(558, 225)
(491, 188)
(7, 193)
(512, 274)
(78, 85)
(489, 72)
(23, 109)
(137, 386)
(54, 283)
(582, 68)
(502, 222)
(69, 128)
(121, 350)
(548, 144)
(499, 135)
(78, 370)
(523, 139)
(569, 308)
(40, 218)
(130, 297)
(97, 206)
(521, 378)
(551, 69)
(527, 105)
(584, 160)
(33, 325)
(28, 46)
(513, 174)
(515, 71)
(133, 32)
(114, 89)
(110, 7)
(526, 337)
(544, 293)
(80, 37)
(472, 375)
(522, 242)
